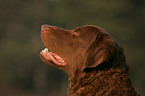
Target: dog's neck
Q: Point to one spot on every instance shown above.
(101, 83)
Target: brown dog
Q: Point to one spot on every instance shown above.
(93, 59)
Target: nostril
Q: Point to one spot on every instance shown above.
(44, 25)
(45, 28)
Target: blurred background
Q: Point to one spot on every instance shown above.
(23, 73)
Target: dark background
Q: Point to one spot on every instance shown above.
(22, 72)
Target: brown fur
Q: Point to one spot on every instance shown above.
(96, 63)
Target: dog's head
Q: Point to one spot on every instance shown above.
(78, 50)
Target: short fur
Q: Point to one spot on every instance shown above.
(96, 63)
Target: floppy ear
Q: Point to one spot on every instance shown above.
(100, 51)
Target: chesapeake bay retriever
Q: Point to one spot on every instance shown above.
(92, 58)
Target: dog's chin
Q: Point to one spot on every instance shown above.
(50, 57)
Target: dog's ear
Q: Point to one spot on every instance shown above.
(99, 51)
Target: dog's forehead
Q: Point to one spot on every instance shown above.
(89, 29)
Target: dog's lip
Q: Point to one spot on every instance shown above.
(50, 56)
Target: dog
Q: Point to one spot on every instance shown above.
(93, 59)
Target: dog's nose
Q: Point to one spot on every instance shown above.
(46, 28)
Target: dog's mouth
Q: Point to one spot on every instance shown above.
(52, 57)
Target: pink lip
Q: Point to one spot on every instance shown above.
(54, 58)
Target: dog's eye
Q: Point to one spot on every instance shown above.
(75, 34)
